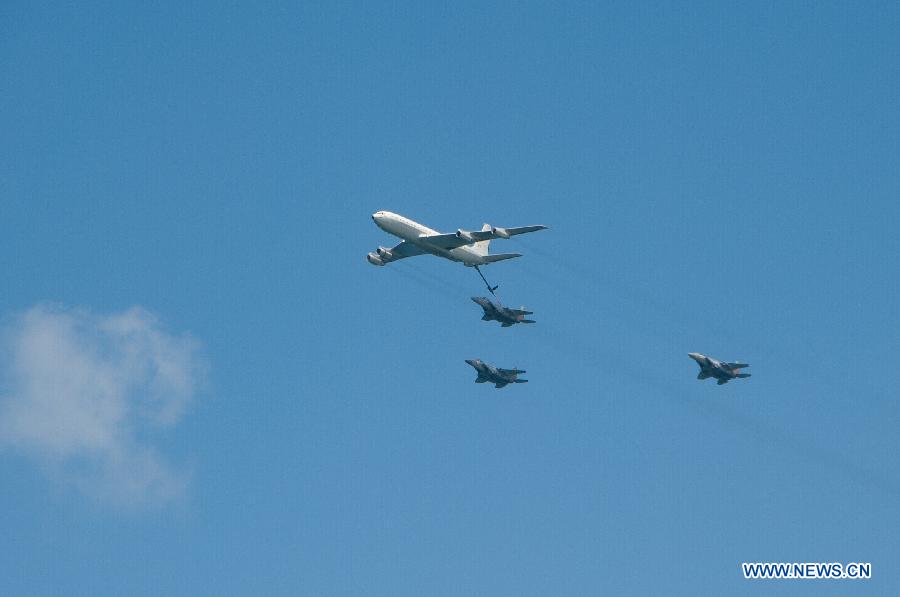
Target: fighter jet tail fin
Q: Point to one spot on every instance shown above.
(499, 257)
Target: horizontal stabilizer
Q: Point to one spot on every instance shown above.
(499, 257)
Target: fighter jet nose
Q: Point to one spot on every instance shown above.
(694, 355)
(470, 362)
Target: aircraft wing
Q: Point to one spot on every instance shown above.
(406, 249)
(460, 238)
(507, 232)
(448, 241)
(737, 365)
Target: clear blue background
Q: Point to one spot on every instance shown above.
(718, 177)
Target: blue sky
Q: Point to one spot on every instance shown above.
(185, 200)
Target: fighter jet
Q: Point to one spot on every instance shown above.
(723, 372)
(495, 375)
(497, 312)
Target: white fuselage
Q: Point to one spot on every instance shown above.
(414, 232)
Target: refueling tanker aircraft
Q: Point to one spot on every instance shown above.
(722, 371)
(469, 248)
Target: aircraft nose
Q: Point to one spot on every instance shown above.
(471, 362)
(380, 218)
(695, 355)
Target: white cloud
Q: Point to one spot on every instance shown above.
(89, 397)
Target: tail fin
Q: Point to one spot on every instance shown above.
(481, 247)
(499, 257)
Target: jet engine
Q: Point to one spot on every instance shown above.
(501, 232)
(385, 254)
(465, 236)
(374, 259)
